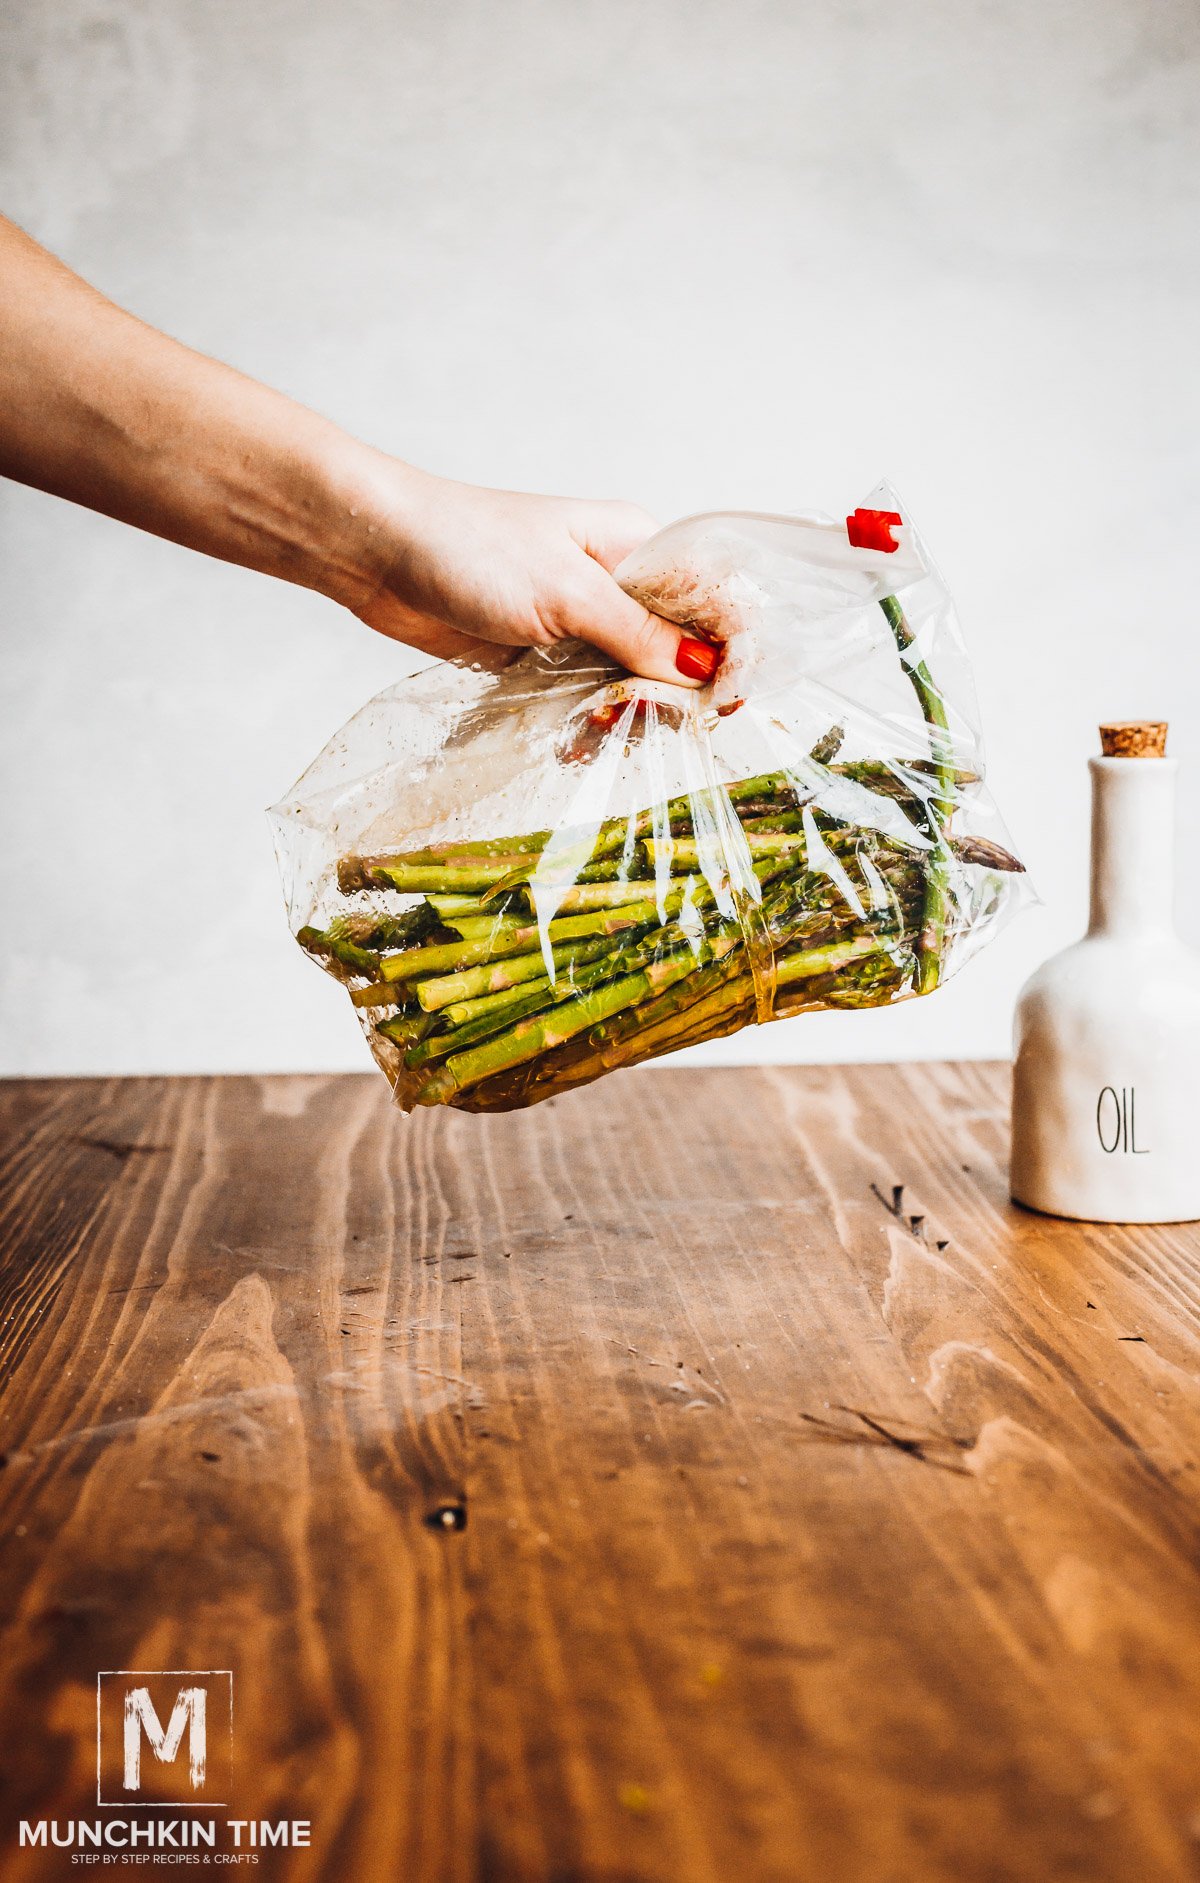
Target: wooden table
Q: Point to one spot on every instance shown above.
(709, 1476)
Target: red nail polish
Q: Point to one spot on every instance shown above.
(699, 660)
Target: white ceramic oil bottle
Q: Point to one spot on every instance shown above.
(1106, 1087)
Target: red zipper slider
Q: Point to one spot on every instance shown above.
(872, 529)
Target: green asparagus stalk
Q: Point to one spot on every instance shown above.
(453, 868)
(489, 902)
(510, 938)
(491, 858)
(321, 942)
(992, 856)
(447, 907)
(378, 994)
(683, 853)
(807, 962)
(587, 897)
(379, 929)
(455, 1038)
(443, 990)
(482, 925)
(828, 746)
(439, 878)
(528, 995)
(614, 869)
(469, 850)
(593, 897)
(940, 804)
(543, 1031)
(404, 1028)
(506, 938)
(465, 1012)
(491, 1014)
(894, 778)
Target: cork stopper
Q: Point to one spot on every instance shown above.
(1134, 738)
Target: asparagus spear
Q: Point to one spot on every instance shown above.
(541, 1031)
(828, 746)
(510, 938)
(448, 907)
(642, 892)
(482, 924)
(398, 873)
(940, 804)
(493, 1013)
(492, 858)
(584, 897)
(443, 990)
(992, 856)
(378, 994)
(506, 938)
(488, 902)
(806, 962)
(378, 929)
(321, 942)
(683, 853)
(460, 867)
(404, 1028)
(483, 1006)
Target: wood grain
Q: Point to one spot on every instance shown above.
(705, 1475)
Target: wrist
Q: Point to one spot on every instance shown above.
(365, 498)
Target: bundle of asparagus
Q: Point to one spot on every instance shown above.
(657, 936)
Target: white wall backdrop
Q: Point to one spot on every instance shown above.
(690, 252)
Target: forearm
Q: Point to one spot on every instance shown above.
(99, 408)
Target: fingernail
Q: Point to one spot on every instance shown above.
(699, 660)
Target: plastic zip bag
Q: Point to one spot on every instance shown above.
(527, 878)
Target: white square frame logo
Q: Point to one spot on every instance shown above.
(192, 1675)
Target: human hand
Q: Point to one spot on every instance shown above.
(462, 570)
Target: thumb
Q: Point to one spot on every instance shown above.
(644, 643)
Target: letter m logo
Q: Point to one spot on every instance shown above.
(163, 1737)
(140, 1718)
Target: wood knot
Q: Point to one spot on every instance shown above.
(450, 1516)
